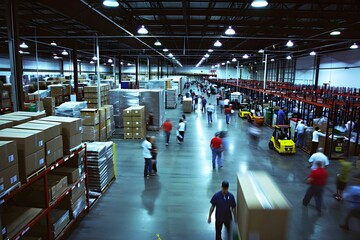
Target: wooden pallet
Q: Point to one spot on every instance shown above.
(74, 149)
(35, 173)
(8, 191)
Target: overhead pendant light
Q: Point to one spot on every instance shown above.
(217, 43)
(57, 57)
(230, 31)
(111, 3)
(104, 64)
(246, 56)
(223, 63)
(289, 43)
(92, 62)
(335, 33)
(288, 57)
(64, 52)
(272, 60)
(261, 51)
(21, 51)
(170, 55)
(354, 46)
(143, 30)
(203, 59)
(121, 63)
(165, 50)
(210, 50)
(24, 45)
(112, 64)
(53, 43)
(129, 64)
(94, 58)
(207, 55)
(157, 43)
(110, 60)
(259, 3)
(79, 60)
(312, 53)
(233, 60)
(227, 62)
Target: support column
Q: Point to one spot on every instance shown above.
(158, 69)
(120, 69)
(161, 72)
(76, 75)
(149, 68)
(167, 70)
(317, 70)
(15, 59)
(137, 65)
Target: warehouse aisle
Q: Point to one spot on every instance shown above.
(175, 204)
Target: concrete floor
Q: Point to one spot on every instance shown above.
(175, 204)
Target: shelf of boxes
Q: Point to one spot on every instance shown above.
(91, 95)
(134, 122)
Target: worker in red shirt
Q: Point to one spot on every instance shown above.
(216, 149)
(317, 180)
(167, 127)
(228, 110)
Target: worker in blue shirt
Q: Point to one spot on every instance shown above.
(224, 202)
(352, 196)
(281, 117)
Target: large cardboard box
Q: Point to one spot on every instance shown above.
(102, 115)
(72, 173)
(49, 106)
(31, 164)
(108, 111)
(58, 124)
(5, 124)
(8, 154)
(77, 162)
(57, 185)
(90, 116)
(72, 142)
(15, 119)
(50, 131)
(9, 177)
(138, 111)
(33, 115)
(70, 126)
(261, 208)
(59, 220)
(27, 141)
(54, 150)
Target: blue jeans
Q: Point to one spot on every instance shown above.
(300, 139)
(316, 192)
(227, 118)
(209, 116)
(216, 154)
(167, 137)
(147, 167)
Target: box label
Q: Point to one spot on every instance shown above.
(41, 161)
(2, 187)
(13, 179)
(41, 143)
(48, 152)
(11, 158)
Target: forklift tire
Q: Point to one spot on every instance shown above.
(271, 145)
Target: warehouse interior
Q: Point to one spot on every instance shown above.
(84, 82)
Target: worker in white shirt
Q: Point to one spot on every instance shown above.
(350, 125)
(315, 139)
(300, 134)
(319, 156)
(210, 109)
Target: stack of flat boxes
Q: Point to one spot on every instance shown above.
(9, 171)
(110, 123)
(90, 122)
(134, 122)
(171, 98)
(91, 95)
(102, 123)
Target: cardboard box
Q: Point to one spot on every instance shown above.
(27, 141)
(5, 124)
(9, 177)
(90, 116)
(127, 112)
(103, 134)
(31, 164)
(77, 161)
(138, 124)
(8, 156)
(16, 120)
(128, 124)
(102, 115)
(53, 150)
(91, 129)
(138, 135)
(16, 218)
(128, 135)
(58, 124)
(138, 111)
(49, 106)
(127, 119)
(71, 173)
(57, 185)
(137, 119)
(32, 115)
(72, 142)
(70, 126)
(261, 207)
(90, 137)
(6, 103)
(73, 196)
(50, 131)
(108, 111)
(128, 129)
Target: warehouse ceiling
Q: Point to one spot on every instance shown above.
(188, 29)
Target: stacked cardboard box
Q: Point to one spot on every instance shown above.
(91, 95)
(78, 161)
(171, 98)
(5, 124)
(71, 131)
(72, 173)
(102, 123)
(75, 201)
(134, 122)
(16, 120)
(187, 105)
(52, 139)
(5, 99)
(32, 115)
(261, 207)
(30, 147)
(110, 123)
(9, 171)
(49, 106)
(90, 122)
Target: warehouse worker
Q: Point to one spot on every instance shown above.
(167, 127)
(281, 116)
(210, 109)
(146, 145)
(300, 134)
(319, 156)
(315, 139)
(224, 202)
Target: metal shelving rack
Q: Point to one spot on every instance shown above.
(49, 205)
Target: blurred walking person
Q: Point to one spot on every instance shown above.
(210, 109)
(167, 127)
(216, 150)
(181, 131)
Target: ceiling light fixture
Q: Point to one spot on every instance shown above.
(272, 60)
(79, 60)
(233, 60)
(165, 50)
(143, 30)
(53, 43)
(57, 57)
(289, 43)
(94, 58)
(246, 56)
(207, 55)
(259, 3)
(170, 55)
(112, 65)
(312, 53)
(24, 45)
(354, 46)
(203, 59)
(261, 51)
(110, 60)
(223, 63)
(111, 3)
(288, 57)
(217, 43)
(65, 53)
(91, 62)
(210, 50)
(129, 64)
(157, 43)
(230, 31)
(335, 33)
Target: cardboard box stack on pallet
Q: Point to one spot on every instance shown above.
(134, 122)
(171, 98)
(91, 95)
(49, 106)
(5, 97)
(61, 93)
(187, 105)
(9, 171)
